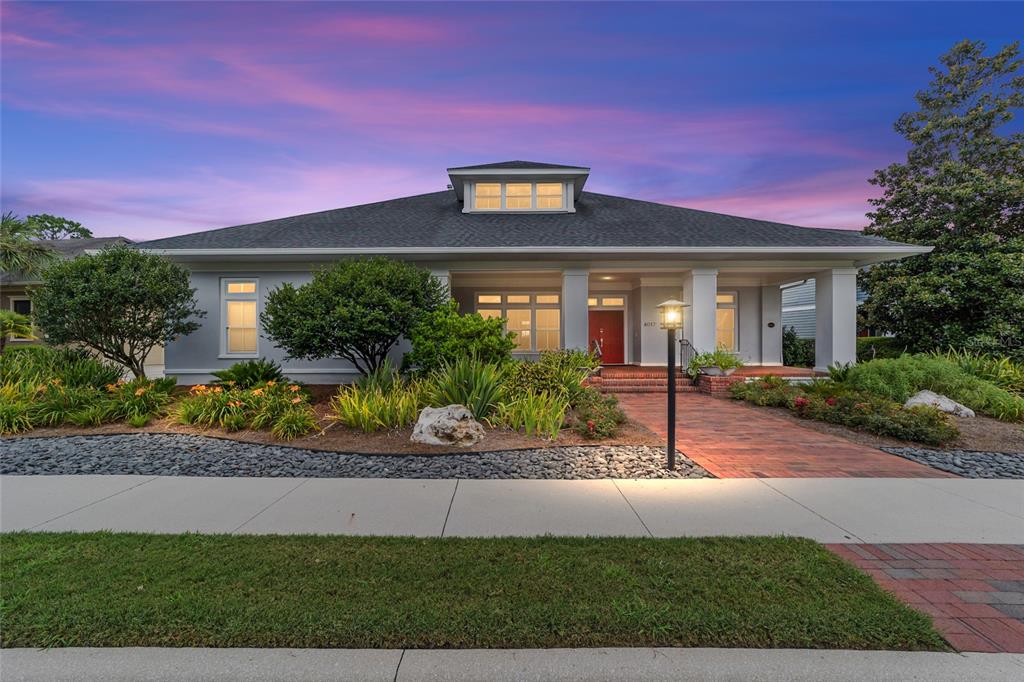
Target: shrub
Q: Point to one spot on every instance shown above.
(249, 373)
(292, 423)
(259, 407)
(445, 336)
(469, 382)
(796, 352)
(880, 416)
(722, 359)
(383, 378)
(597, 416)
(15, 408)
(373, 407)
(1001, 371)
(560, 372)
(771, 391)
(74, 367)
(138, 401)
(537, 414)
(55, 403)
(879, 348)
(899, 378)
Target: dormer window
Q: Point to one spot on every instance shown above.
(519, 196)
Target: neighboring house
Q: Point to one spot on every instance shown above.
(566, 268)
(15, 286)
(798, 310)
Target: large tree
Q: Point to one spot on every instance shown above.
(57, 227)
(19, 250)
(120, 302)
(356, 310)
(961, 191)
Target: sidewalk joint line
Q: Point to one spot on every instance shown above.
(398, 667)
(826, 520)
(286, 494)
(924, 482)
(638, 518)
(451, 502)
(102, 499)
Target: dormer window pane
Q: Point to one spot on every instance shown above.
(488, 195)
(518, 195)
(549, 195)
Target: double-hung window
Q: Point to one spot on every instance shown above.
(536, 319)
(239, 300)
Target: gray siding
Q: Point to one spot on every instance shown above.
(795, 313)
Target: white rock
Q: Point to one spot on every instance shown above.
(451, 425)
(939, 402)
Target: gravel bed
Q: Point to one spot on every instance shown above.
(967, 463)
(187, 455)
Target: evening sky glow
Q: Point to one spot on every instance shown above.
(152, 119)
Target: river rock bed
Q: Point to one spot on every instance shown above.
(967, 463)
(151, 454)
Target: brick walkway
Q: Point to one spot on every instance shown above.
(974, 593)
(734, 440)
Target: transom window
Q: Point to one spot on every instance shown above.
(725, 321)
(239, 316)
(536, 319)
(519, 196)
(606, 301)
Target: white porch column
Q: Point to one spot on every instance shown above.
(835, 301)
(444, 277)
(575, 320)
(700, 286)
(771, 325)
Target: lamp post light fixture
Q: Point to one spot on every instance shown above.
(670, 314)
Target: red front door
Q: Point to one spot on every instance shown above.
(606, 327)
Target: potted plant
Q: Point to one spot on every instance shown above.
(720, 363)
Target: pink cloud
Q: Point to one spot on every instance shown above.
(383, 28)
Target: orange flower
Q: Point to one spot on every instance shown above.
(139, 391)
(296, 400)
(235, 403)
(42, 388)
(55, 381)
(112, 387)
(218, 389)
(199, 388)
(257, 391)
(293, 388)
(230, 382)
(271, 383)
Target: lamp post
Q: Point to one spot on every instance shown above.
(670, 314)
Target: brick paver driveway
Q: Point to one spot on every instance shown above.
(734, 440)
(974, 593)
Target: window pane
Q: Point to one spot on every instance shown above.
(487, 195)
(548, 323)
(518, 298)
(488, 314)
(725, 298)
(241, 340)
(23, 307)
(241, 287)
(593, 301)
(549, 195)
(613, 301)
(489, 298)
(547, 299)
(725, 328)
(518, 195)
(519, 322)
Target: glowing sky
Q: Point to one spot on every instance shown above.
(150, 119)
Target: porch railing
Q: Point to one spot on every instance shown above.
(686, 353)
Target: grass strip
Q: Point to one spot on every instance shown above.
(122, 589)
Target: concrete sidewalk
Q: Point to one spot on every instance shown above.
(827, 510)
(783, 665)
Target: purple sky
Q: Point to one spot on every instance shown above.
(151, 119)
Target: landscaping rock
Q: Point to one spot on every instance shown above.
(166, 454)
(967, 463)
(451, 425)
(939, 402)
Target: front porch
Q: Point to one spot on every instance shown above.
(613, 309)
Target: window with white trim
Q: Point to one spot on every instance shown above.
(239, 301)
(725, 321)
(519, 196)
(536, 319)
(22, 306)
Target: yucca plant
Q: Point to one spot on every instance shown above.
(536, 414)
(468, 382)
(250, 373)
(1001, 371)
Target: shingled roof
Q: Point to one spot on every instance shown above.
(436, 221)
(517, 165)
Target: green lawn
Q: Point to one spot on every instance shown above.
(104, 589)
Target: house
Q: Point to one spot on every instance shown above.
(798, 309)
(566, 268)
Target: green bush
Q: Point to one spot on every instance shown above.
(597, 416)
(373, 407)
(536, 414)
(75, 367)
(771, 391)
(561, 372)
(249, 373)
(796, 352)
(899, 378)
(271, 405)
(445, 336)
(879, 348)
(722, 359)
(139, 400)
(292, 423)
(469, 382)
(15, 408)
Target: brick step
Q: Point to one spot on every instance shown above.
(650, 388)
(663, 381)
(653, 373)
